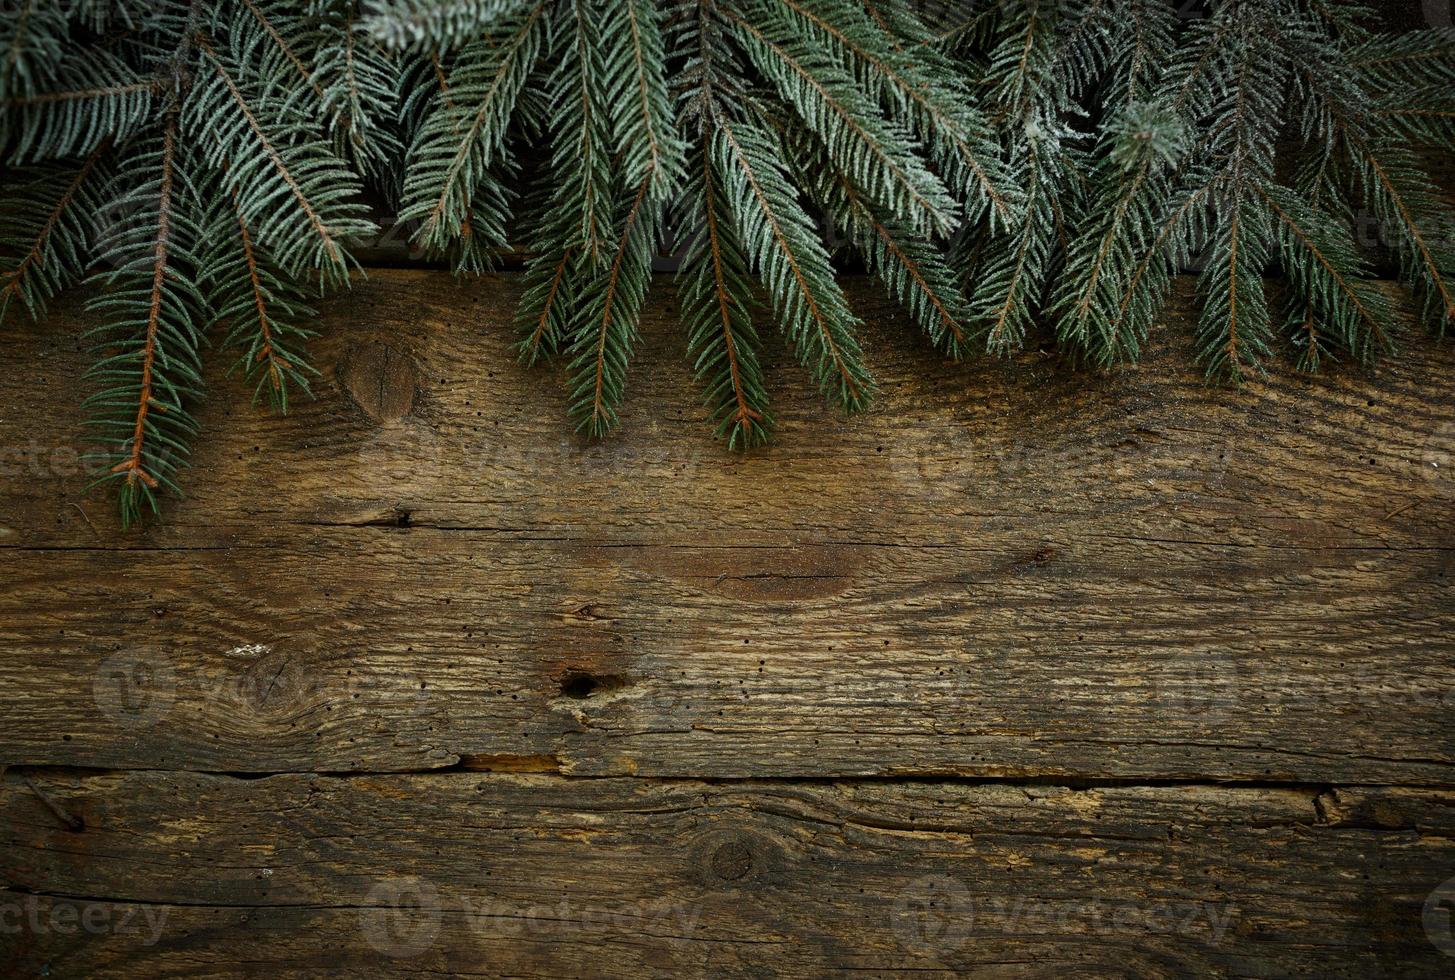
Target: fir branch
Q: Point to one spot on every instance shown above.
(414, 25)
(261, 305)
(1399, 192)
(150, 309)
(1333, 281)
(858, 141)
(1234, 328)
(32, 39)
(1080, 155)
(1020, 79)
(1170, 248)
(1195, 74)
(573, 236)
(912, 271)
(711, 81)
(360, 84)
(1411, 60)
(716, 296)
(645, 140)
(1246, 102)
(268, 49)
(92, 99)
(1133, 177)
(935, 102)
(1084, 45)
(900, 24)
(133, 466)
(1149, 43)
(46, 231)
(463, 137)
(259, 161)
(582, 120)
(1020, 63)
(1424, 117)
(1140, 45)
(545, 305)
(1384, 173)
(1010, 280)
(917, 278)
(782, 248)
(714, 280)
(602, 346)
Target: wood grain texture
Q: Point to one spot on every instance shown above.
(1008, 568)
(544, 876)
(1021, 638)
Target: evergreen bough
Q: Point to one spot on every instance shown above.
(996, 164)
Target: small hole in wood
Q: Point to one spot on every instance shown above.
(578, 684)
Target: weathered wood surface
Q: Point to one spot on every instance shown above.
(536, 875)
(1224, 615)
(1004, 569)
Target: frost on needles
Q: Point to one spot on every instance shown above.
(1001, 166)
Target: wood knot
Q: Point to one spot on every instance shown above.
(588, 612)
(732, 858)
(268, 683)
(1042, 556)
(732, 861)
(1039, 558)
(379, 379)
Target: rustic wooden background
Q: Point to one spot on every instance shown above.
(1029, 670)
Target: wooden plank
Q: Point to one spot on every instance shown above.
(1006, 569)
(538, 875)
